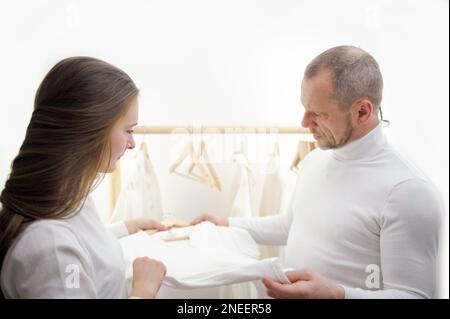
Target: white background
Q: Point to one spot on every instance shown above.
(234, 62)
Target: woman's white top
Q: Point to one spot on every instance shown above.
(77, 257)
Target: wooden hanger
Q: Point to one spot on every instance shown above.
(190, 152)
(211, 168)
(303, 148)
(213, 174)
(205, 175)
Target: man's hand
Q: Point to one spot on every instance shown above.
(216, 220)
(137, 224)
(306, 284)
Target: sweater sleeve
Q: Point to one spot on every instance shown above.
(48, 262)
(269, 230)
(410, 230)
(119, 229)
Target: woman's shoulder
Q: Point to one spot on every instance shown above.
(42, 254)
(46, 226)
(43, 237)
(47, 236)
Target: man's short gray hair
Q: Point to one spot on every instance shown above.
(355, 74)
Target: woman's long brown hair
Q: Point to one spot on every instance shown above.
(66, 143)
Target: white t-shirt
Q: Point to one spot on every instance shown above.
(71, 258)
(211, 256)
(363, 217)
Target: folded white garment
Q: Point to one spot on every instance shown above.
(206, 236)
(224, 276)
(213, 256)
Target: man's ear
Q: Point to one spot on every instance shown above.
(364, 108)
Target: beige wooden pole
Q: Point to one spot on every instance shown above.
(219, 129)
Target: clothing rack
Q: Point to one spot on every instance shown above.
(115, 182)
(219, 129)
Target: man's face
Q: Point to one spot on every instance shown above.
(331, 125)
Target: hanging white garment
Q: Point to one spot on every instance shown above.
(243, 189)
(213, 256)
(244, 204)
(271, 197)
(140, 196)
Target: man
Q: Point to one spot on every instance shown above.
(363, 223)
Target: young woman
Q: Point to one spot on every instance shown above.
(52, 243)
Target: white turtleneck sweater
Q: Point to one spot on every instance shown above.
(363, 217)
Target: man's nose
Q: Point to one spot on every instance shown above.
(308, 121)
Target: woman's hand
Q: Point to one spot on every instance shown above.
(137, 224)
(216, 220)
(147, 277)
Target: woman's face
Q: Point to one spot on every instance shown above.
(122, 135)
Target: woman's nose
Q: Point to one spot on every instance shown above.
(131, 144)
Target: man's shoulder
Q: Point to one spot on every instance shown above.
(404, 166)
(412, 183)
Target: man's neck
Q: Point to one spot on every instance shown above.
(365, 129)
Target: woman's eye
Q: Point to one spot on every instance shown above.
(130, 131)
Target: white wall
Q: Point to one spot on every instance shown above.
(234, 62)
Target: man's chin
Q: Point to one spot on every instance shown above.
(323, 145)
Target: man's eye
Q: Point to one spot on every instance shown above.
(322, 116)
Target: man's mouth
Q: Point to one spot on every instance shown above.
(315, 134)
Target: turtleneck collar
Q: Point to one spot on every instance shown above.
(365, 147)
